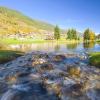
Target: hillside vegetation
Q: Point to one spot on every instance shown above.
(12, 21)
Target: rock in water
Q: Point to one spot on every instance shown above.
(74, 71)
(47, 66)
(58, 58)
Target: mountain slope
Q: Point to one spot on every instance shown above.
(12, 21)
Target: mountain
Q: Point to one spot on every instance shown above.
(12, 21)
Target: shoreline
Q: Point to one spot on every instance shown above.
(19, 41)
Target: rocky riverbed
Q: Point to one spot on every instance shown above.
(49, 76)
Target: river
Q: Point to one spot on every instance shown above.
(54, 47)
(43, 74)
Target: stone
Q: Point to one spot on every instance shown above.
(11, 79)
(74, 71)
(23, 74)
(58, 58)
(57, 88)
(47, 66)
(38, 61)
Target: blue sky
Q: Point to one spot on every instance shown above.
(79, 14)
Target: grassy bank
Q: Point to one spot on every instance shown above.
(8, 55)
(20, 41)
(95, 59)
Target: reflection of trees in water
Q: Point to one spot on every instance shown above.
(98, 43)
(88, 44)
(72, 46)
(3, 47)
(57, 47)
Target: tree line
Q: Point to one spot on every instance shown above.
(71, 34)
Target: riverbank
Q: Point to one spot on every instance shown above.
(49, 75)
(26, 41)
(94, 59)
(8, 55)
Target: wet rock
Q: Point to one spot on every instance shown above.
(71, 91)
(38, 61)
(11, 79)
(77, 87)
(35, 76)
(43, 55)
(24, 74)
(67, 81)
(47, 66)
(57, 88)
(22, 77)
(74, 71)
(58, 58)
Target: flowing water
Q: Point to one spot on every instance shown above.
(50, 71)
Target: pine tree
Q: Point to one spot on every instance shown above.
(71, 34)
(86, 35)
(56, 33)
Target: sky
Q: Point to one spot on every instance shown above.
(78, 14)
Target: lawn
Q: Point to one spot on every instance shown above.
(95, 59)
(20, 41)
(27, 40)
(8, 55)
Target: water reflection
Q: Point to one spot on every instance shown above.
(89, 44)
(57, 48)
(72, 46)
(52, 47)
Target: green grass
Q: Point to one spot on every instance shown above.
(95, 59)
(8, 55)
(98, 41)
(16, 41)
(25, 41)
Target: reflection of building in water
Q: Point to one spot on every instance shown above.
(33, 47)
(88, 44)
(72, 46)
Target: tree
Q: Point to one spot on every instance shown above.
(72, 34)
(92, 36)
(89, 35)
(56, 33)
(86, 35)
